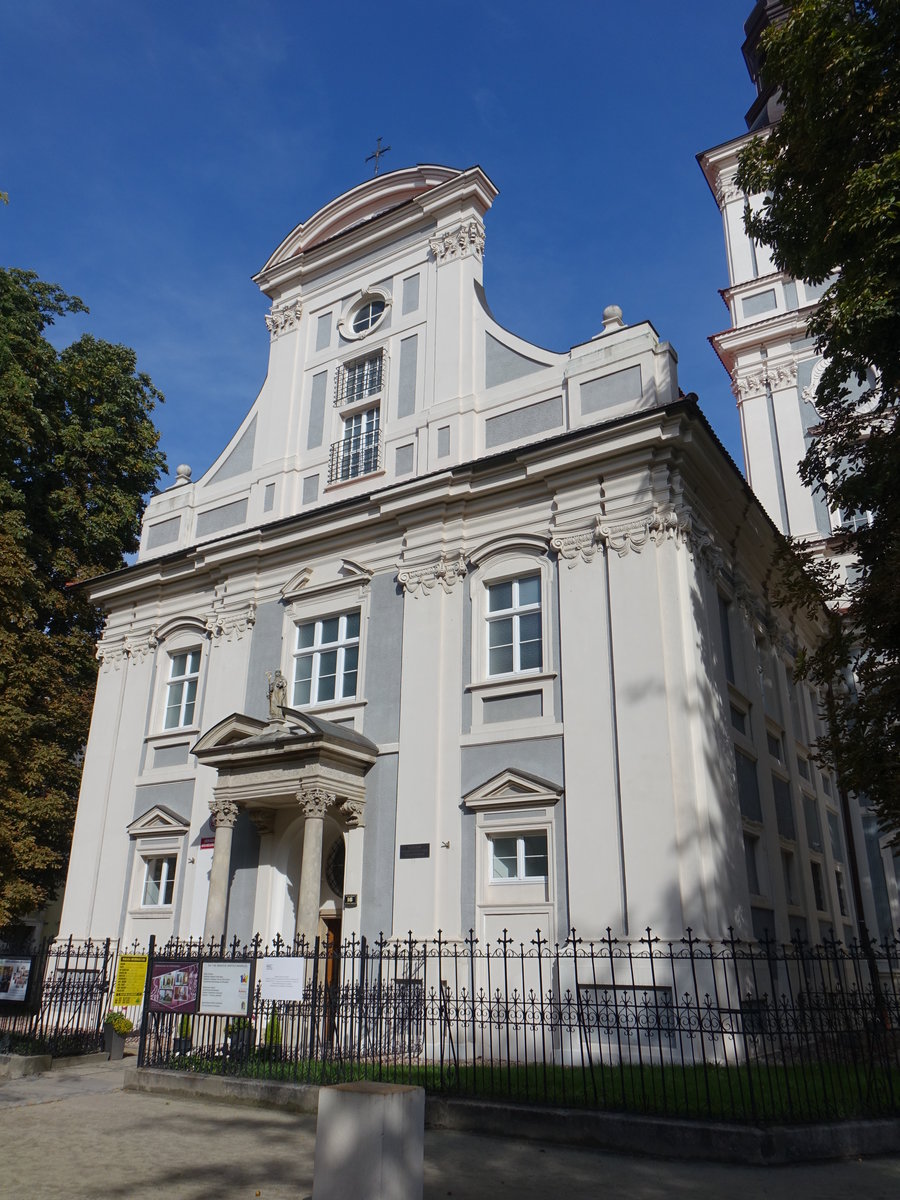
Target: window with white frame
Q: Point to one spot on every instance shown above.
(326, 660)
(514, 640)
(359, 450)
(518, 856)
(359, 379)
(368, 315)
(159, 881)
(181, 689)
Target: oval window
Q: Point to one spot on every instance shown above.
(368, 316)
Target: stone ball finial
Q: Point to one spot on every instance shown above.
(182, 474)
(612, 317)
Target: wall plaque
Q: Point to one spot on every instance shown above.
(415, 850)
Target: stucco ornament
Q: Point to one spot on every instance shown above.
(578, 545)
(467, 238)
(230, 624)
(446, 572)
(283, 318)
(354, 812)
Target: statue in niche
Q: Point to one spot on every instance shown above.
(277, 695)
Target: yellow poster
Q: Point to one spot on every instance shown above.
(131, 977)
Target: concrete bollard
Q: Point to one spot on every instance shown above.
(370, 1142)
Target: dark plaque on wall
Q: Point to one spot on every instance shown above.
(415, 850)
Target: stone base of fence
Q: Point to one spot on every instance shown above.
(655, 1137)
(17, 1066)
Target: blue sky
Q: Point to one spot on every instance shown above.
(156, 154)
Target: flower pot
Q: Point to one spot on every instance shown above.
(114, 1043)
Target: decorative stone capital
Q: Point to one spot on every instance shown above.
(354, 813)
(231, 625)
(467, 238)
(665, 525)
(315, 802)
(224, 813)
(139, 645)
(726, 189)
(579, 545)
(747, 384)
(111, 653)
(445, 572)
(283, 318)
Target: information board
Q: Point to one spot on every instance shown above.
(14, 976)
(131, 979)
(281, 978)
(225, 989)
(174, 987)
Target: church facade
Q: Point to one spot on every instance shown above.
(456, 633)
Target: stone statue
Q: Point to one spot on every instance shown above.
(277, 695)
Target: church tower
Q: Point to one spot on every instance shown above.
(775, 369)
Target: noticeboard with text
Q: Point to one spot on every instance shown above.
(174, 987)
(225, 989)
(131, 979)
(15, 978)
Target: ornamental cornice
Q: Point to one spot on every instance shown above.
(748, 384)
(465, 239)
(134, 647)
(658, 527)
(422, 580)
(111, 653)
(231, 624)
(283, 318)
(315, 802)
(224, 813)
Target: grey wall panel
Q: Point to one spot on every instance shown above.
(563, 926)
(226, 516)
(619, 387)
(410, 294)
(265, 655)
(177, 796)
(310, 489)
(376, 897)
(501, 365)
(404, 460)
(517, 707)
(269, 497)
(443, 441)
(537, 756)
(171, 756)
(466, 672)
(383, 650)
(406, 383)
(323, 331)
(762, 302)
(523, 422)
(163, 533)
(790, 294)
(467, 882)
(316, 426)
(240, 460)
(244, 869)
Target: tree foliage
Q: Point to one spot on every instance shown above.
(830, 170)
(78, 455)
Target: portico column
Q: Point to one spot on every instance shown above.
(314, 803)
(225, 813)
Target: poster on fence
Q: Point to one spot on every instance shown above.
(14, 976)
(225, 989)
(131, 977)
(174, 987)
(281, 978)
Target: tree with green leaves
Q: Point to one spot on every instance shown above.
(830, 173)
(78, 457)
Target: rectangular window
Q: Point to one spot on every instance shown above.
(518, 856)
(181, 694)
(514, 626)
(357, 380)
(359, 450)
(739, 719)
(751, 851)
(725, 627)
(841, 894)
(748, 786)
(326, 660)
(775, 746)
(159, 881)
(790, 884)
(813, 825)
(784, 807)
(818, 885)
(803, 767)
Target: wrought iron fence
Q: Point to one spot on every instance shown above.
(68, 990)
(724, 1029)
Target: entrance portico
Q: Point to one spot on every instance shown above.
(294, 762)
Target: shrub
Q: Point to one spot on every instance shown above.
(119, 1022)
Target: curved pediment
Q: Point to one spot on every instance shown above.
(362, 203)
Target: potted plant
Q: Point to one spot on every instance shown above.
(115, 1027)
(272, 1036)
(238, 1038)
(184, 1040)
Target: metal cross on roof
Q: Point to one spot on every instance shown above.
(379, 150)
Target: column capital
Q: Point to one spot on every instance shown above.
(354, 813)
(224, 813)
(315, 802)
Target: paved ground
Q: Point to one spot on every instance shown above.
(75, 1134)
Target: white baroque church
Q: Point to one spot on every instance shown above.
(456, 633)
